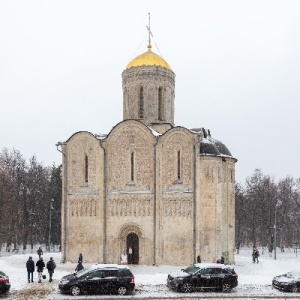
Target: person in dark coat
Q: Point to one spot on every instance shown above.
(256, 255)
(40, 268)
(51, 265)
(253, 255)
(30, 269)
(199, 258)
(80, 258)
(39, 252)
(79, 266)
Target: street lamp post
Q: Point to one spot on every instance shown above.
(49, 236)
(275, 242)
(278, 204)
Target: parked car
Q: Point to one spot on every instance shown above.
(289, 282)
(4, 283)
(203, 277)
(108, 278)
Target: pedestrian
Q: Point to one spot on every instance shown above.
(238, 244)
(40, 268)
(199, 258)
(80, 258)
(39, 252)
(30, 269)
(253, 255)
(256, 255)
(222, 261)
(51, 265)
(79, 266)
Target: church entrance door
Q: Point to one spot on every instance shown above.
(132, 245)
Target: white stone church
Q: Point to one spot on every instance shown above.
(156, 192)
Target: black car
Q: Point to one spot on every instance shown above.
(289, 282)
(108, 278)
(4, 283)
(203, 277)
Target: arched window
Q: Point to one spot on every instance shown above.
(141, 98)
(178, 166)
(132, 167)
(86, 169)
(160, 103)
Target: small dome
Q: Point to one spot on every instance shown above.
(212, 146)
(148, 58)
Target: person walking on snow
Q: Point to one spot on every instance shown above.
(256, 255)
(40, 268)
(39, 252)
(79, 266)
(30, 269)
(51, 265)
(253, 255)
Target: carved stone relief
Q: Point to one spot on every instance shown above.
(83, 208)
(137, 206)
(177, 142)
(178, 206)
(83, 145)
(127, 141)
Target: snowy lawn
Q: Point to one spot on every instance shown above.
(254, 279)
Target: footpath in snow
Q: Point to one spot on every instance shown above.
(255, 280)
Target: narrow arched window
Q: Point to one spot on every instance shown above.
(132, 166)
(86, 169)
(178, 166)
(141, 98)
(160, 103)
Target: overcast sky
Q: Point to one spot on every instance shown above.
(237, 66)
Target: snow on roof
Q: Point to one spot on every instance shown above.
(154, 132)
(101, 136)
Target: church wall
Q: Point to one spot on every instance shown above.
(217, 213)
(130, 188)
(175, 197)
(84, 215)
(231, 210)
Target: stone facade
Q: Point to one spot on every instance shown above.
(160, 194)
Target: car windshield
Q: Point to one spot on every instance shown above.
(83, 272)
(293, 274)
(191, 269)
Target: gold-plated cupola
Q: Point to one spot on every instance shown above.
(148, 58)
(149, 90)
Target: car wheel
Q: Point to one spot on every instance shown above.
(122, 290)
(186, 288)
(295, 289)
(226, 287)
(75, 290)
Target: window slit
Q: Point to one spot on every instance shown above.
(178, 166)
(160, 104)
(132, 167)
(141, 108)
(86, 169)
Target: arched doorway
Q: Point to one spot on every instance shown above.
(132, 246)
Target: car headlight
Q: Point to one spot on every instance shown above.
(64, 281)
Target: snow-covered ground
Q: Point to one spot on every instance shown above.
(254, 279)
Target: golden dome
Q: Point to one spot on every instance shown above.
(148, 58)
